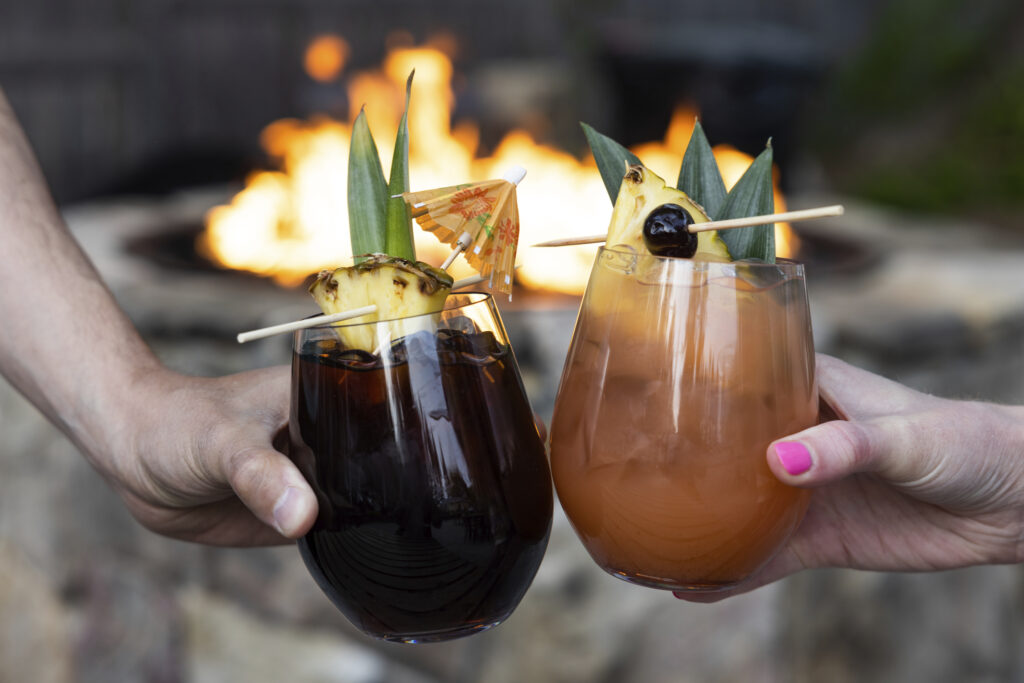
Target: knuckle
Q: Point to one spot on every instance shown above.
(853, 444)
(247, 469)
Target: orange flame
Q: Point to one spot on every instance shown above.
(294, 222)
(325, 58)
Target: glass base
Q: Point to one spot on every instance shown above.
(673, 584)
(436, 636)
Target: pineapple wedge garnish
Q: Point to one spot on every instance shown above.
(641, 192)
(398, 287)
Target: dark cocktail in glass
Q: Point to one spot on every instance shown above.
(433, 484)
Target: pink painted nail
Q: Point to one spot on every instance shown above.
(794, 456)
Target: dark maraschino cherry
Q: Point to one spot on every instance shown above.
(666, 234)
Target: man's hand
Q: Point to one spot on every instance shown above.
(201, 464)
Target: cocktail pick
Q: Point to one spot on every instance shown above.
(786, 216)
(480, 219)
(264, 332)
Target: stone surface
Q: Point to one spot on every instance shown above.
(35, 628)
(962, 625)
(225, 642)
(942, 309)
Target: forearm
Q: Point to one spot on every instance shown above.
(66, 345)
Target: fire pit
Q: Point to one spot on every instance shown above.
(174, 248)
(290, 222)
(192, 307)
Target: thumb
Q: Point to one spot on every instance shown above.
(887, 431)
(834, 450)
(273, 489)
(857, 394)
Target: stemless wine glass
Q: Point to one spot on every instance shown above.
(680, 374)
(433, 484)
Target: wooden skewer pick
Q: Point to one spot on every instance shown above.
(784, 217)
(791, 216)
(264, 332)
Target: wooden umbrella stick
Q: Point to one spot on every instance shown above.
(465, 240)
(514, 175)
(786, 216)
(470, 281)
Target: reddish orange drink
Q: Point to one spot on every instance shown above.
(680, 374)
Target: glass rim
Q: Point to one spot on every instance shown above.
(784, 263)
(473, 299)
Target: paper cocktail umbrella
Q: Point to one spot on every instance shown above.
(481, 219)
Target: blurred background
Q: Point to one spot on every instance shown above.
(197, 149)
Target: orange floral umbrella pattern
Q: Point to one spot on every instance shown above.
(482, 217)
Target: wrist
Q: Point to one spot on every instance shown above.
(998, 456)
(1015, 415)
(124, 416)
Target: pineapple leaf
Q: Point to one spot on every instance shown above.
(398, 236)
(699, 176)
(367, 191)
(611, 158)
(751, 196)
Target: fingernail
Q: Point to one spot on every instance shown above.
(794, 456)
(288, 511)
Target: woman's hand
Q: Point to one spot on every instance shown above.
(907, 482)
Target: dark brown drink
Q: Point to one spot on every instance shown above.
(433, 484)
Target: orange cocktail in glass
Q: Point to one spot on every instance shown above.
(680, 374)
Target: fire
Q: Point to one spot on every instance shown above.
(326, 57)
(293, 222)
